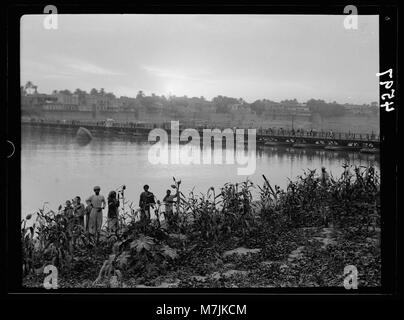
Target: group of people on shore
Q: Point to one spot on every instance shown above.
(90, 216)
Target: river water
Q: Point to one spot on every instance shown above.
(55, 168)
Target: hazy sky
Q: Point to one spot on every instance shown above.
(249, 56)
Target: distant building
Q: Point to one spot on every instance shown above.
(363, 109)
(302, 110)
(287, 108)
(127, 103)
(116, 104)
(36, 100)
(98, 102)
(67, 99)
(84, 107)
(240, 108)
(62, 101)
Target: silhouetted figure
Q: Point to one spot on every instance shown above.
(113, 204)
(68, 210)
(87, 212)
(146, 201)
(78, 211)
(169, 205)
(324, 177)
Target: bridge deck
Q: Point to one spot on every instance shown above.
(302, 136)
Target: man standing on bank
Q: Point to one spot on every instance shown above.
(169, 204)
(146, 201)
(97, 203)
(78, 211)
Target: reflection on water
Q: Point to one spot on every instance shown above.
(55, 168)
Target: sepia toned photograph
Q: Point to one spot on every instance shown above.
(200, 151)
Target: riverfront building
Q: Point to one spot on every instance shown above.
(195, 108)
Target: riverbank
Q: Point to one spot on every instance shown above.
(303, 236)
(303, 257)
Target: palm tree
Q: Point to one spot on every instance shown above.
(79, 91)
(140, 95)
(29, 84)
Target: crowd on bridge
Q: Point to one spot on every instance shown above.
(315, 133)
(280, 131)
